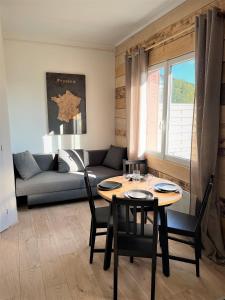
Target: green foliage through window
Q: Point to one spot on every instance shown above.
(182, 91)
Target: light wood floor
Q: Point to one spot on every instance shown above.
(45, 256)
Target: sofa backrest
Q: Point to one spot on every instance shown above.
(49, 162)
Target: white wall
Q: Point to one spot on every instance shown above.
(26, 65)
(8, 211)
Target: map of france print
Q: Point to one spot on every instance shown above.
(66, 99)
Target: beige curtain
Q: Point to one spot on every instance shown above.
(136, 96)
(209, 57)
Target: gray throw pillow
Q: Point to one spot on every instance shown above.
(96, 157)
(114, 157)
(26, 165)
(70, 161)
(44, 161)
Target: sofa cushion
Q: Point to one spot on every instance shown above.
(99, 173)
(70, 161)
(114, 157)
(96, 157)
(48, 182)
(53, 181)
(26, 165)
(45, 161)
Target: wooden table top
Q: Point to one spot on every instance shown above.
(163, 198)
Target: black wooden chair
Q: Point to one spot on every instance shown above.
(100, 217)
(133, 238)
(130, 165)
(189, 226)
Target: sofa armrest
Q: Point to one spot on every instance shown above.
(96, 157)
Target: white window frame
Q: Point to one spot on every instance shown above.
(166, 102)
(152, 69)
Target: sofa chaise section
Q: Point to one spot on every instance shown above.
(52, 186)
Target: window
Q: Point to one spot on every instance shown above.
(155, 120)
(171, 88)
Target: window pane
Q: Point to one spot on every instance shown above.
(155, 110)
(180, 108)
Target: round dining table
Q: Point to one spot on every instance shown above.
(164, 200)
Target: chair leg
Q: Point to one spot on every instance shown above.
(197, 256)
(90, 234)
(160, 239)
(200, 243)
(108, 248)
(131, 259)
(115, 278)
(146, 215)
(153, 279)
(93, 235)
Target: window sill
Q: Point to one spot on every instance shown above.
(169, 167)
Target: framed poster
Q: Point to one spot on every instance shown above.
(66, 100)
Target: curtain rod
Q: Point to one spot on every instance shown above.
(190, 29)
(184, 32)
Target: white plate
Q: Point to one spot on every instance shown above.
(165, 187)
(138, 194)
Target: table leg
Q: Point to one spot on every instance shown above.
(164, 241)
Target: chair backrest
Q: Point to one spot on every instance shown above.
(89, 194)
(130, 165)
(205, 200)
(131, 226)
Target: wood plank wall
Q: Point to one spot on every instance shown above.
(174, 22)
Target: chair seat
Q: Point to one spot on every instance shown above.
(182, 223)
(102, 215)
(138, 246)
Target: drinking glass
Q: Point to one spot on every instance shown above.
(136, 175)
(149, 179)
(125, 176)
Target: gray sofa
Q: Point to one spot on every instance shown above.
(52, 186)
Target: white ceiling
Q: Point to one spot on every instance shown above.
(91, 23)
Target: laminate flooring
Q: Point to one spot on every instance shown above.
(46, 256)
